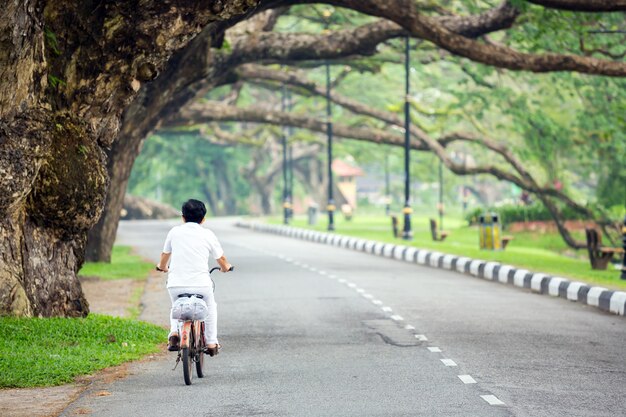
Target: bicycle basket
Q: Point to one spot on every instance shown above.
(189, 308)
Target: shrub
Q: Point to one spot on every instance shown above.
(519, 213)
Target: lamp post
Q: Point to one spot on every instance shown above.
(283, 107)
(330, 207)
(289, 162)
(623, 275)
(440, 204)
(387, 186)
(407, 234)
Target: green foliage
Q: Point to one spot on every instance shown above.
(55, 81)
(53, 351)
(176, 166)
(51, 41)
(510, 213)
(123, 265)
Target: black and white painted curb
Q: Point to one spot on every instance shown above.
(604, 299)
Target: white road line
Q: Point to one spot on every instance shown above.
(434, 349)
(492, 399)
(324, 273)
(409, 327)
(368, 296)
(448, 362)
(377, 302)
(343, 281)
(395, 317)
(305, 266)
(351, 285)
(387, 309)
(421, 337)
(288, 259)
(313, 269)
(467, 379)
(332, 276)
(360, 290)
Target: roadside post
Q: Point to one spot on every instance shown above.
(312, 214)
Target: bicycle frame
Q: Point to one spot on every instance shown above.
(189, 328)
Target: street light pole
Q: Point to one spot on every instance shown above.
(330, 207)
(407, 234)
(387, 186)
(283, 107)
(440, 205)
(289, 164)
(329, 130)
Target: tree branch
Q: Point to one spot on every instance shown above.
(583, 5)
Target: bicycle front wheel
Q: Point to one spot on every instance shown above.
(187, 365)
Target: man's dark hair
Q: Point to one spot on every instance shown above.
(194, 211)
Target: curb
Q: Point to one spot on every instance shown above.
(602, 298)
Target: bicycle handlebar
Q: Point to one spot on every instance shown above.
(217, 268)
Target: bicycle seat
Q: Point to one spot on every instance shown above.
(190, 295)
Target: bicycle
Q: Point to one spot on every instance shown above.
(192, 345)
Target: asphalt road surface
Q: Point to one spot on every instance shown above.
(311, 330)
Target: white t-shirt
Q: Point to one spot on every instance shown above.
(191, 246)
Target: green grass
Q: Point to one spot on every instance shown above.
(123, 265)
(534, 251)
(45, 352)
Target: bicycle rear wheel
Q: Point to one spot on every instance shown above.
(200, 353)
(200, 365)
(187, 364)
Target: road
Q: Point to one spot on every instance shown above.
(311, 330)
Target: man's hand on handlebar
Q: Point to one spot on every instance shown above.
(162, 269)
(225, 266)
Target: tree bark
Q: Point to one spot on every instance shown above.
(62, 92)
(199, 68)
(584, 5)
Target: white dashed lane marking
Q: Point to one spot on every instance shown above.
(492, 399)
(467, 379)
(448, 362)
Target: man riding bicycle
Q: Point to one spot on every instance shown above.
(190, 247)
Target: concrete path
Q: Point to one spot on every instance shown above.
(311, 330)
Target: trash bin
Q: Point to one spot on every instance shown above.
(489, 228)
(312, 214)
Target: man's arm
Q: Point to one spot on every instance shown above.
(165, 259)
(223, 263)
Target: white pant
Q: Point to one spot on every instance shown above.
(210, 324)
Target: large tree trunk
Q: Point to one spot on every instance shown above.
(101, 237)
(62, 93)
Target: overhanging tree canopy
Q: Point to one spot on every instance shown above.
(84, 81)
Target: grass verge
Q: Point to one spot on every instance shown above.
(37, 352)
(533, 251)
(123, 265)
